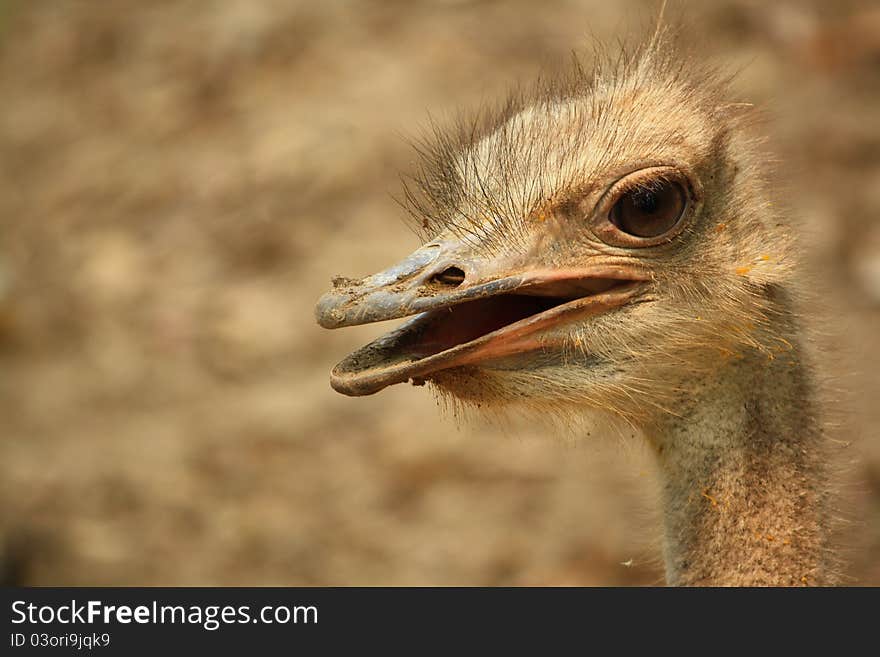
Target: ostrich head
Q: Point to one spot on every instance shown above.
(600, 242)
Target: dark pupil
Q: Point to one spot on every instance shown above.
(649, 211)
(645, 201)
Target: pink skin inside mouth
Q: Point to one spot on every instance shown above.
(468, 321)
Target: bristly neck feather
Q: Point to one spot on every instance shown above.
(744, 476)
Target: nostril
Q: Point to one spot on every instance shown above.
(451, 276)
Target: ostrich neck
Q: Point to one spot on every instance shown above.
(743, 476)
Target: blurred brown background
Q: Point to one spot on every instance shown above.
(178, 183)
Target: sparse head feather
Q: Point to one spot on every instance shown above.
(558, 136)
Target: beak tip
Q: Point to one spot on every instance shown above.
(328, 311)
(351, 386)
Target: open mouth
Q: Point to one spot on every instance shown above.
(457, 325)
(464, 329)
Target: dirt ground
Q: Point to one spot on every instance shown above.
(180, 180)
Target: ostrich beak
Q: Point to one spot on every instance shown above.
(469, 309)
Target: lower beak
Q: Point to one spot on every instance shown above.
(470, 310)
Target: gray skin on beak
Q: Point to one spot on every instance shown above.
(409, 287)
(494, 310)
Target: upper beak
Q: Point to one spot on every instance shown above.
(413, 285)
(471, 308)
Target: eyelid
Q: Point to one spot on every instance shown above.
(642, 178)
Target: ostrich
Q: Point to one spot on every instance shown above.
(606, 243)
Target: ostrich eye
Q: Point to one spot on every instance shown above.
(649, 209)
